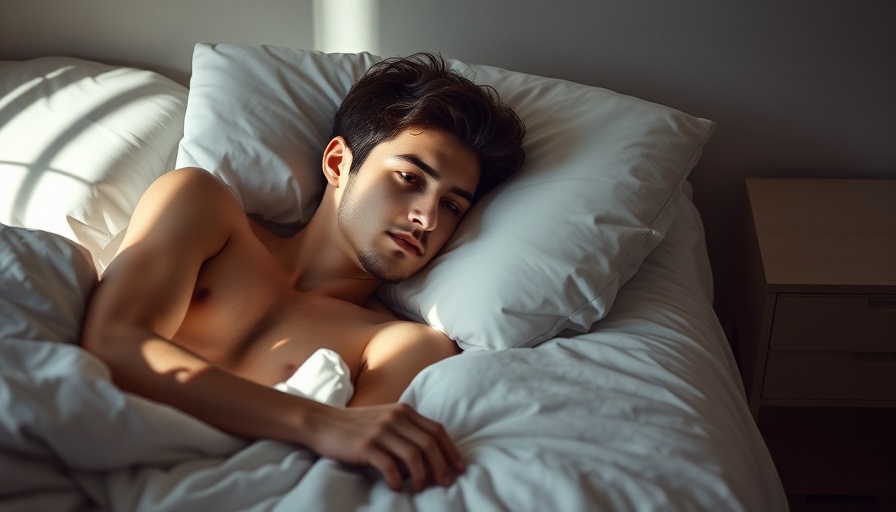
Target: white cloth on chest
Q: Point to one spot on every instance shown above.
(323, 377)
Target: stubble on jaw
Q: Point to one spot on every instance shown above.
(374, 263)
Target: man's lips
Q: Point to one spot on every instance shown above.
(408, 243)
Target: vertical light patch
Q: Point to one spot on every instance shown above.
(347, 26)
(432, 318)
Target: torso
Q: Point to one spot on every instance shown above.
(246, 316)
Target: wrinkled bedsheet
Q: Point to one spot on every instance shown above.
(646, 412)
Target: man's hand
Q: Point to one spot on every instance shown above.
(390, 438)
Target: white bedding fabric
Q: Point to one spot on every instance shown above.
(80, 141)
(646, 412)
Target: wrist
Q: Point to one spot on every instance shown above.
(301, 420)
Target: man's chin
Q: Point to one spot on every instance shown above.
(383, 271)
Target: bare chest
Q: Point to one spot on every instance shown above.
(246, 317)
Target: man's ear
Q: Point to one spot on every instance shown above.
(337, 161)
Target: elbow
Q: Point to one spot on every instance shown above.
(96, 340)
(93, 337)
(106, 328)
(101, 336)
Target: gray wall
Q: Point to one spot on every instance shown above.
(799, 88)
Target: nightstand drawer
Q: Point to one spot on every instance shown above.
(848, 323)
(830, 375)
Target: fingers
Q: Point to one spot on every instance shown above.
(445, 445)
(392, 439)
(440, 450)
(387, 466)
(422, 447)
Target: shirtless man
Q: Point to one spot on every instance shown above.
(204, 309)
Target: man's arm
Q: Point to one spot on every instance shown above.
(185, 218)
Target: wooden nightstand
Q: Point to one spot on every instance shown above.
(815, 328)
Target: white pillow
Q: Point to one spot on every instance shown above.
(79, 143)
(544, 253)
(259, 117)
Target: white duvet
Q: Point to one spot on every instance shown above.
(644, 413)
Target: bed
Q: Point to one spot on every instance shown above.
(594, 373)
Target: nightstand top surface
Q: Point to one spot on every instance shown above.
(826, 232)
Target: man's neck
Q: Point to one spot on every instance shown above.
(318, 265)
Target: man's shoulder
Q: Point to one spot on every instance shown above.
(191, 192)
(394, 356)
(184, 207)
(196, 183)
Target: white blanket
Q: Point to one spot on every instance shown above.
(645, 412)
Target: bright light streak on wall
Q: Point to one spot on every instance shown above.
(347, 26)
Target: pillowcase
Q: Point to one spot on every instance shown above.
(259, 117)
(545, 252)
(80, 142)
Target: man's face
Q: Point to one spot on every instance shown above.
(406, 200)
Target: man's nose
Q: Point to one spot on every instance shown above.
(425, 212)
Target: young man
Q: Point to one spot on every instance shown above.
(204, 309)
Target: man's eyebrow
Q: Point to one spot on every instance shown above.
(434, 174)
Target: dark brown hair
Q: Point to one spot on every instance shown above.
(422, 91)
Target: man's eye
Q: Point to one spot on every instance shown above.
(452, 208)
(408, 177)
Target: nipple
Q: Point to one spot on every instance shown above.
(200, 294)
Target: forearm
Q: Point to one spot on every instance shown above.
(158, 369)
(388, 438)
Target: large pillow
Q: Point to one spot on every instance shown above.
(544, 253)
(79, 143)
